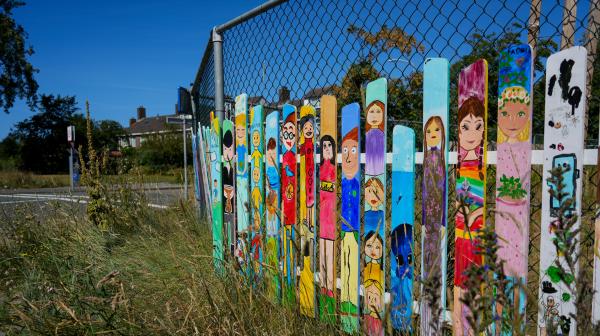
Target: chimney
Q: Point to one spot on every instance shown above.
(141, 113)
(284, 95)
(131, 122)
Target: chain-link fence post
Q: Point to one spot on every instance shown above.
(217, 40)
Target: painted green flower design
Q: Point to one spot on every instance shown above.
(511, 187)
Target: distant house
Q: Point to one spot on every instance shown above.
(313, 96)
(141, 128)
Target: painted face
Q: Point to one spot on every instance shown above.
(327, 150)
(255, 174)
(350, 158)
(374, 196)
(512, 118)
(255, 138)
(373, 247)
(471, 132)
(433, 134)
(308, 130)
(288, 135)
(240, 134)
(375, 116)
(373, 297)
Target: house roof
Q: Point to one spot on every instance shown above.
(318, 92)
(149, 125)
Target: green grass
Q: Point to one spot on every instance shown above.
(150, 273)
(17, 179)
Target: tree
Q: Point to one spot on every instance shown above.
(107, 133)
(488, 46)
(17, 74)
(42, 139)
(405, 95)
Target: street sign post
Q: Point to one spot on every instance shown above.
(183, 120)
(71, 140)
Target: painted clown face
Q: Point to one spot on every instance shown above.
(288, 135)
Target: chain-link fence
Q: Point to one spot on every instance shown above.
(297, 51)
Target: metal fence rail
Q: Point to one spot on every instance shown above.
(296, 51)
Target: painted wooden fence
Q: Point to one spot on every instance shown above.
(276, 203)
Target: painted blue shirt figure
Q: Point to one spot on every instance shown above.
(273, 177)
(402, 266)
(241, 153)
(350, 197)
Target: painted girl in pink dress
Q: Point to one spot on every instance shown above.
(327, 214)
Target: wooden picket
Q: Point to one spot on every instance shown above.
(373, 235)
(401, 228)
(436, 91)
(470, 181)
(289, 189)
(513, 176)
(563, 147)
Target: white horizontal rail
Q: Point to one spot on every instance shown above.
(590, 157)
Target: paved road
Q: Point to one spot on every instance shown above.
(159, 196)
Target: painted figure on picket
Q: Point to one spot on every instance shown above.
(327, 232)
(349, 233)
(372, 280)
(288, 169)
(256, 155)
(375, 139)
(228, 170)
(401, 241)
(306, 188)
(470, 190)
(241, 149)
(272, 188)
(307, 149)
(434, 199)
(288, 193)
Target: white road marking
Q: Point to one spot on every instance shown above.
(57, 197)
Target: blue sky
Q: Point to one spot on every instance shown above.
(118, 54)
